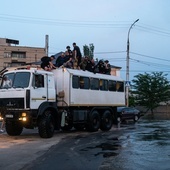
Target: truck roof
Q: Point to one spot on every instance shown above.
(70, 71)
(91, 74)
(33, 70)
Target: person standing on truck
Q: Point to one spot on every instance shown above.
(77, 55)
(47, 63)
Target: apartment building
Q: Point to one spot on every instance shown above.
(12, 55)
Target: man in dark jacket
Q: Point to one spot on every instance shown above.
(77, 55)
(47, 63)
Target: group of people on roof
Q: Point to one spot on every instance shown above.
(73, 59)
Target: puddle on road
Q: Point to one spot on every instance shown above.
(155, 135)
(146, 139)
(108, 146)
(107, 154)
(107, 149)
(156, 131)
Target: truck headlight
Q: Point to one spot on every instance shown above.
(1, 118)
(23, 117)
(24, 114)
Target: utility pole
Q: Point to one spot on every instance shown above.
(46, 44)
(127, 66)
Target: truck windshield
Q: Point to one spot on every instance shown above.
(15, 80)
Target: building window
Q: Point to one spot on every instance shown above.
(7, 64)
(17, 54)
(16, 64)
(7, 54)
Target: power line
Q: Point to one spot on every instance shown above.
(143, 55)
(110, 52)
(44, 21)
(154, 28)
(74, 23)
(150, 63)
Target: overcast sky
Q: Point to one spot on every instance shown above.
(105, 23)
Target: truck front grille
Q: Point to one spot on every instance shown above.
(16, 103)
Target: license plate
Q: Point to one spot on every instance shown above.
(9, 116)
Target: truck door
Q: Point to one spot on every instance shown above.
(38, 92)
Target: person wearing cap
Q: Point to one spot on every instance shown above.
(47, 63)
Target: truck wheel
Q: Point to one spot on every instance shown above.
(106, 121)
(13, 128)
(93, 123)
(46, 125)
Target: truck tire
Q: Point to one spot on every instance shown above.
(13, 128)
(106, 121)
(93, 123)
(46, 125)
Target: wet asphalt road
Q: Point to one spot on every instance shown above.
(141, 146)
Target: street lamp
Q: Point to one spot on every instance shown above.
(127, 66)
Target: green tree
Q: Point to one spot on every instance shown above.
(88, 50)
(149, 90)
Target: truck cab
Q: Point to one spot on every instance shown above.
(25, 94)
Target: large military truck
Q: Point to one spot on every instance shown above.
(61, 99)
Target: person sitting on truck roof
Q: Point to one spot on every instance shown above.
(69, 63)
(61, 60)
(68, 52)
(83, 63)
(90, 65)
(47, 63)
(107, 67)
(100, 67)
(68, 58)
